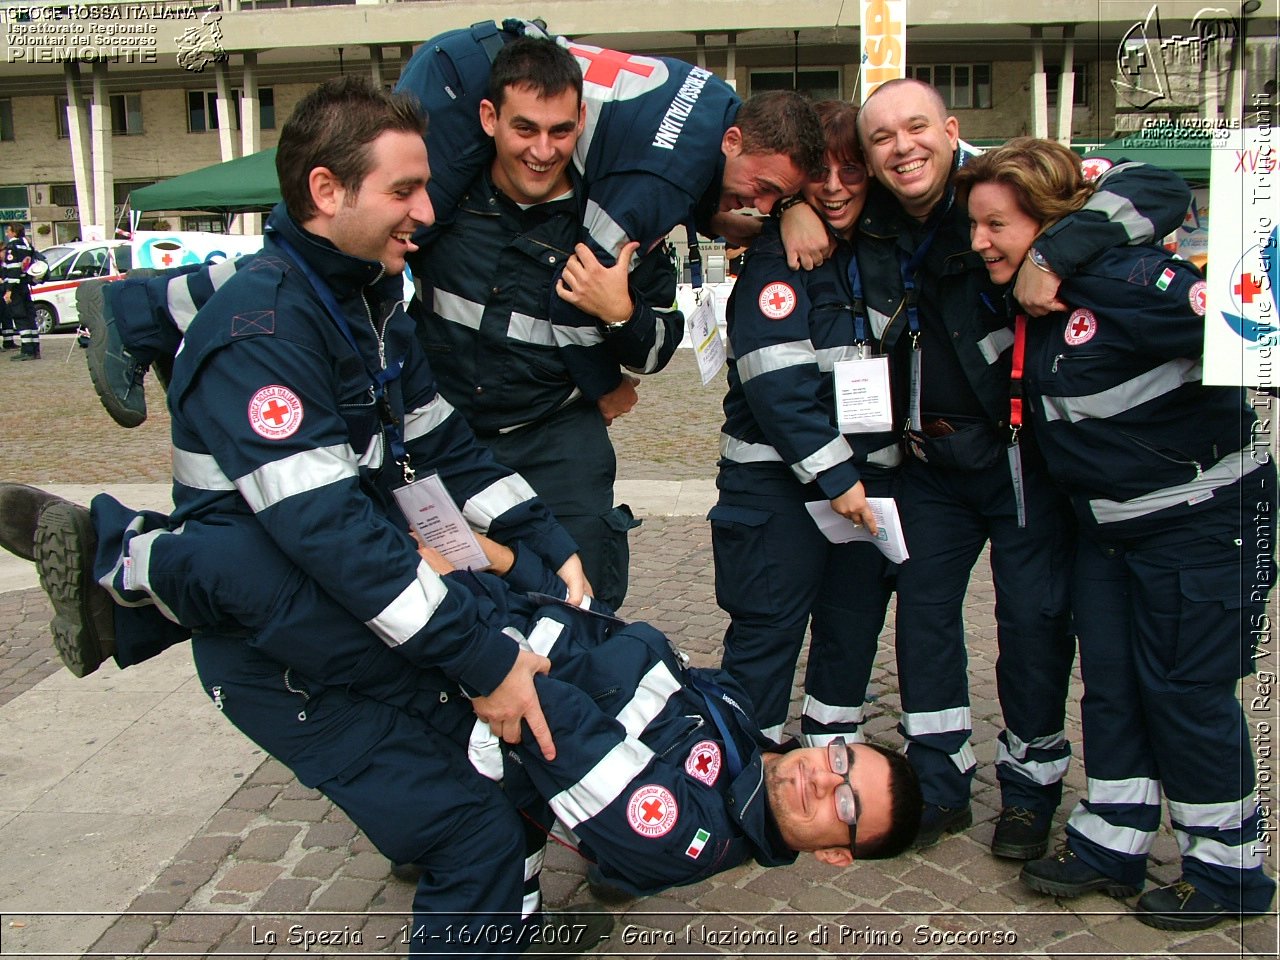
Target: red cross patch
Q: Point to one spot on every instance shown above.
(777, 300)
(652, 811)
(1081, 326)
(1199, 297)
(704, 762)
(1094, 167)
(275, 412)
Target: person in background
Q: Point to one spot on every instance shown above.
(20, 313)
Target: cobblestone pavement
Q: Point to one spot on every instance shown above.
(279, 865)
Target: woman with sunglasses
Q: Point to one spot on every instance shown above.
(781, 448)
(1163, 472)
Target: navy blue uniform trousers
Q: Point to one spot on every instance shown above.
(948, 516)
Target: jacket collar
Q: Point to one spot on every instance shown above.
(343, 272)
(750, 805)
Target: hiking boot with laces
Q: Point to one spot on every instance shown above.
(116, 373)
(1021, 834)
(936, 820)
(1180, 906)
(1066, 875)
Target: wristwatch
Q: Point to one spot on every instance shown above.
(1038, 260)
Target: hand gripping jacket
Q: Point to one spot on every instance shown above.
(1124, 421)
(1134, 203)
(780, 408)
(276, 430)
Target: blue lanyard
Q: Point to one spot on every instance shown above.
(380, 378)
(711, 692)
(859, 303)
(695, 256)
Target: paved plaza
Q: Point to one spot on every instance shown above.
(134, 821)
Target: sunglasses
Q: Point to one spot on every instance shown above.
(850, 174)
(846, 803)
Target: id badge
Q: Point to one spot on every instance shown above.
(427, 505)
(862, 395)
(704, 334)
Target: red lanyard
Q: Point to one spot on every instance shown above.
(1015, 375)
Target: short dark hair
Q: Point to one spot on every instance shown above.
(782, 121)
(839, 119)
(906, 805)
(542, 65)
(18, 229)
(333, 127)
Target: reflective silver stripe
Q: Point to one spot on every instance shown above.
(886, 456)
(456, 309)
(1226, 471)
(879, 321)
(953, 720)
(140, 564)
(1043, 772)
(533, 330)
(828, 357)
(222, 271)
(1018, 747)
(1135, 791)
(1124, 396)
(824, 458)
(199, 471)
(656, 687)
(603, 783)
(659, 338)
(303, 472)
(570, 336)
(408, 613)
(372, 456)
(182, 307)
(1248, 855)
(822, 739)
(485, 751)
(774, 733)
(740, 451)
(543, 636)
(777, 356)
(1119, 210)
(1221, 816)
(1126, 840)
(420, 422)
(531, 903)
(495, 500)
(815, 709)
(995, 343)
(964, 758)
(533, 867)
(604, 230)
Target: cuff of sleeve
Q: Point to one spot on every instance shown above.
(838, 479)
(1054, 245)
(530, 575)
(555, 546)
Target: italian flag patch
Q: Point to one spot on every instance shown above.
(699, 841)
(1166, 278)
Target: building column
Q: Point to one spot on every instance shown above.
(1039, 88)
(375, 65)
(700, 44)
(226, 116)
(1067, 84)
(250, 130)
(731, 59)
(78, 131)
(100, 136)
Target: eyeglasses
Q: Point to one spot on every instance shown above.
(846, 803)
(850, 174)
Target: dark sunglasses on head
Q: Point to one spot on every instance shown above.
(850, 174)
(846, 803)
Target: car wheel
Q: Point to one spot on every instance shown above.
(46, 317)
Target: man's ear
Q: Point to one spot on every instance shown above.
(326, 192)
(834, 856)
(731, 142)
(489, 117)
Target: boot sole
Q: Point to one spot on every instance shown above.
(81, 625)
(1055, 889)
(1020, 851)
(91, 306)
(955, 826)
(1193, 921)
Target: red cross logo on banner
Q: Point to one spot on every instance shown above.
(652, 811)
(703, 762)
(1247, 288)
(275, 412)
(1081, 326)
(777, 300)
(605, 65)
